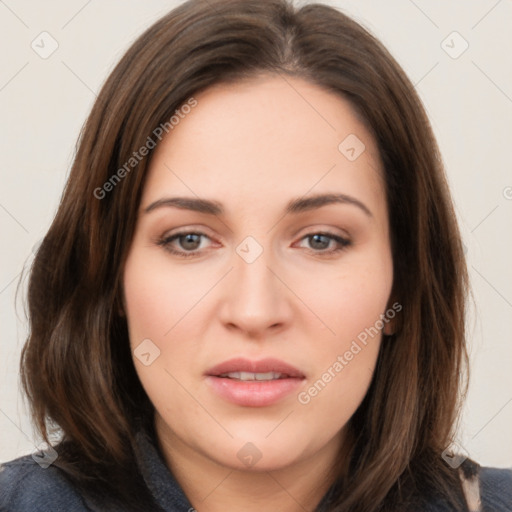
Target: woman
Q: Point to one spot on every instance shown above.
(253, 293)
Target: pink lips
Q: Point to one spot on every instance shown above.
(254, 393)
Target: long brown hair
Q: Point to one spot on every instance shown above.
(77, 369)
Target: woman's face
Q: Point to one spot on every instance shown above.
(266, 272)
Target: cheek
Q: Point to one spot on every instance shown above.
(350, 306)
(165, 306)
(344, 370)
(348, 302)
(157, 298)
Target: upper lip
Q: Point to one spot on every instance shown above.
(241, 364)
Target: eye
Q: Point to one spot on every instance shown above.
(188, 240)
(189, 243)
(319, 242)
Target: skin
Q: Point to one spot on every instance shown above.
(254, 146)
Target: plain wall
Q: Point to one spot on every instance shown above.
(44, 102)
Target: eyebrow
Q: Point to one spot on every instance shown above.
(295, 206)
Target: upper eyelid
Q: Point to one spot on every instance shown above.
(311, 229)
(177, 234)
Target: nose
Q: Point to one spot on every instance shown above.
(256, 300)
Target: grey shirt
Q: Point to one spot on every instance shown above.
(26, 487)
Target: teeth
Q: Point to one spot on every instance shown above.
(252, 376)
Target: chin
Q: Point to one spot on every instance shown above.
(257, 451)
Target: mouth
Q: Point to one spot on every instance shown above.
(254, 383)
(246, 369)
(250, 376)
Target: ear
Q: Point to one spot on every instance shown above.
(389, 328)
(391, 321)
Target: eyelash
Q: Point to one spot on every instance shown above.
(166, 241)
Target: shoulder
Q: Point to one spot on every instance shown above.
(25, 485)
(496, 489)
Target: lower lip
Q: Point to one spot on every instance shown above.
(253, 393)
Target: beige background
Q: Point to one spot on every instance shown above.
(43, 103)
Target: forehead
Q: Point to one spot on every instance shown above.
(266, 138)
